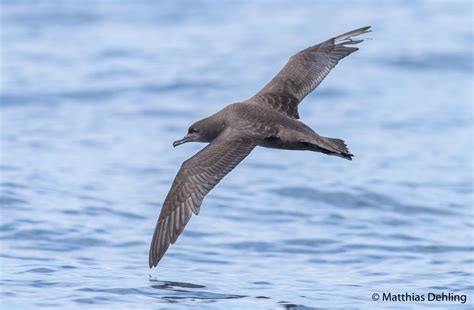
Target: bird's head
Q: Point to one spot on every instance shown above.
(204, 130)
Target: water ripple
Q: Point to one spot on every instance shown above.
(93, 93)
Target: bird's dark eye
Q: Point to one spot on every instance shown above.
(192, 130)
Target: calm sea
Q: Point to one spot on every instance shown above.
(92, 94)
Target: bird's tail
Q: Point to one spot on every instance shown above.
(337, 147)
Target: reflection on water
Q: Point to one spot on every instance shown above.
(175, 291)
(92, 96)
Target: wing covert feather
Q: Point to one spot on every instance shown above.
(196, 177)
(304, 72)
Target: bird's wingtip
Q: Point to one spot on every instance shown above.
(353, 33)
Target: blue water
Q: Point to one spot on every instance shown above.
(93, 94)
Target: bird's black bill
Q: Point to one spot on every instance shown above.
(179, 142)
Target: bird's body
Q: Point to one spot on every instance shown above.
(270, 129)
(268, 119)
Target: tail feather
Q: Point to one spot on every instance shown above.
(338, 148)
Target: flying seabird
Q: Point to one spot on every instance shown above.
(268, 119)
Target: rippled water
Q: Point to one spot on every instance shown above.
(93, 94)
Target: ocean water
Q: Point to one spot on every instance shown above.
(92, 94)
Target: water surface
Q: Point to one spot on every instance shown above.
(92, 94)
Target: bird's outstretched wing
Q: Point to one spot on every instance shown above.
(304, 71)
(197, 176)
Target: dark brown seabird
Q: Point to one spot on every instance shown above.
(268, 119)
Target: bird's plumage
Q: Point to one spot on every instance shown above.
(268, 119)
(304, 72)
(197, 176)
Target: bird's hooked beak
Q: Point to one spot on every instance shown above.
(187, 138)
